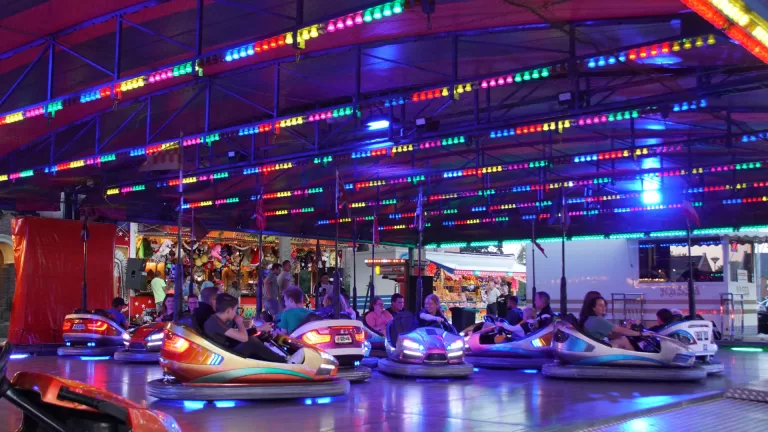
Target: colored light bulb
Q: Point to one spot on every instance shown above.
(527, 76)
(492, 82)
(249, 51)
(243, 53)
(331, 27)
(535, 74)
(368, 16)
(509, 79)
(699, 42)
(622, 57)
(387, 11)
(305, 34)
(611, 60)
(687, 44)
(484, 84)
(397, 7)
(468, 87)
(675, 46)
(633, 55)
(654, 50)
(459, 89)
(377, 13)
(591, 64)
(643, 53)
(500, 81)
(445, 91)
(601, 61)
(545, 72)
(313, 32)
(289, 38)
(189, 68)
(711, 39)
(665, 47)
(518, 78)
(350, 21)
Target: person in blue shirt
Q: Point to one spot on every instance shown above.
(116, 312)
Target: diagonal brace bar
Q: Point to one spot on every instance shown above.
(163, 37)
(24, 75)
(108, 72)
(255, 9)
(176, 113)
(407, 65)
(253, 104)
(125, 123)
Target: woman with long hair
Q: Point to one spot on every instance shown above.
(377, 317)
(168, 307)
(587, 298)
(595, 325)
(432, 312)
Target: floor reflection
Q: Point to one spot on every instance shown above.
(488, 401)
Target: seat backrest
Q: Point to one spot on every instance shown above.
(312, 316)
(404, 322)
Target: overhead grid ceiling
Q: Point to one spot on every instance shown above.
(494, 109)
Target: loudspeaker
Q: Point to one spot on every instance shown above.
(411, 302)
(136, 278)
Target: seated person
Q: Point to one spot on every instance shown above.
(596, 326)
(192, 303)
(432, 314)
(217, 330)
(664, 317)
(527, 324)
(545, 314)
(294, 312)
(266, 316)
(168, 305)
(206, 305)
(377, 317)
(327, 308)
(116, 312)
(514, 314)
(398, 304)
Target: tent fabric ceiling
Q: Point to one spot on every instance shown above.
(398, 56)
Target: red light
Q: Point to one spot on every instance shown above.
(633, 55)
(654, 50)
(415, 97)
(665, 47)
(265, 45)
(359, 18)
(331, 27)
(281, 40)
(273, 43)
(350, 21)
(340, 24)
(423, 96)
(430, 95)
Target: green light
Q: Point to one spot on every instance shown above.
(535, 74)
(189, 68)
(377, 13)
(431, 246)
(518, 78)
(387, 10)
(635, 114)
(397, 7)
(754, 228)
(527, 76)
(619, 116)
(747, 349)
(367, 16)
(627, 236)
(588, 237)
(611, 117)
(348, 110)
(724, 230)
(175, 71)
(677, 233)
(545, 72)
(483, 243)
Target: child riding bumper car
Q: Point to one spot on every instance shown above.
(413, 351)
(655, 358)
(90, 334)
(142, 345)
(56, 404)
(196, 368)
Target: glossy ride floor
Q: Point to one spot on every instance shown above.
(488, 401)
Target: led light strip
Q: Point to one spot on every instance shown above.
(749, 32)
(643, 52)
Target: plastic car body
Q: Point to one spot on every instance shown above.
(489, 346)
(57, 404)
(142, 344)
(344, 339)
(90, 334)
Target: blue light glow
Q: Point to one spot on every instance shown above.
(651, 163)
(95, 357)
(638, 425)
(323, 400)
(224, 404)
(378, 124)
(194, 405)
(651, 197)
(19, 356)
(475, 370)
(530, 371)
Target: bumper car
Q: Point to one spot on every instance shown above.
(428, 352)
(56, 404)
(142, 344)
(344, 339)
(698, 336)
(656, 358)
(90, 334)
(198, 369)
(492, 347)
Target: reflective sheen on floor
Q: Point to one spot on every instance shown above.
(488, 401)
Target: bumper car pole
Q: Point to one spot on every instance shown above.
(84, 234)
(178, 293)
(691, 289)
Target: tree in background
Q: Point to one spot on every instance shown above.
(521, 255)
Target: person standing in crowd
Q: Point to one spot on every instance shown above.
(284, 281)
(398, 304)
(116, 312)
(271, 290)
(158, 290)
(492, 295)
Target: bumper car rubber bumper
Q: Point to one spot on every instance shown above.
(174, 390)
(138, 356)
(87, 351)
(370, 362)
(488, 362)
(712, 368)
(356, 374)
(557, 370)
(391, 367)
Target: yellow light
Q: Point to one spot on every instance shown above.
(313, 32)
(699, 42)
(676, 46)
(289, 38)
(313, 338)
(459, 89)
(378, 270)
(305, 34)
(687, 44)
(468, 87)
(445, 91)
(711, 39)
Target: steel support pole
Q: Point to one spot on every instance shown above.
(118, 45)
(199, 28)
(51, 49)
(178, 297)
(691, 287)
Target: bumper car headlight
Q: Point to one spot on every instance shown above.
(456, 345)
(413, 345)
(326, 356)
(156, 336)
(126, 336)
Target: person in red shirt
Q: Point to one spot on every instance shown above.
(377, 317)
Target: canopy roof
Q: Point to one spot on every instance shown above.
(460, 263)
(495, 109)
